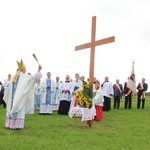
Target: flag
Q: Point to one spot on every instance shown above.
(131, 84)
(132, 70)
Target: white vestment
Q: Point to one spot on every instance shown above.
(56, 98)
(98, 99)
(65, 97)
(23, 101)
(65, 86)
(107, 89)
(6, 83)
(47, 108)
(38, 93)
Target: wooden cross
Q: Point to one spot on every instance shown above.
(92, 45)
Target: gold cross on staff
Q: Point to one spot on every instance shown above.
(92, 45)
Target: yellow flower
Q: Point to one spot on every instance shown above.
(81, 103)
(82, 85)
(87, 86)
(84, 99)
(79, 93)
(77, 96)
(88, 105)
(86, 102)
(78, 100)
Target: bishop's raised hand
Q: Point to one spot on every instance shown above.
(39, 68)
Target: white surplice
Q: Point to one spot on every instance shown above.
(22, 102)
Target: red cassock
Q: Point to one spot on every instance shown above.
(99, 113)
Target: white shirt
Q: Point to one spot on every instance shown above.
(98, 98)
(75, 84)
(65, 86)
(6, 83)
(107, 89)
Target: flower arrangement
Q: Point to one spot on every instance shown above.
(84, 97)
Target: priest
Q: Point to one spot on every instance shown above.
(48, 88)
(19, 97)
(76, 85)
(65, 96)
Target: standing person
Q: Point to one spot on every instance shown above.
(65, 96)
(117, 94)
(142, 88)
(94, 80)
(18, 97)
(1, 95)
(38, 93)
(48, 86)
(76, 85)
(98, 100)
(129, 90)
(83, 80)
(7, 81)
(107, 90)
(56, 95)
(128, 96)
(4, 87)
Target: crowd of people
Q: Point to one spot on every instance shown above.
(23, 93)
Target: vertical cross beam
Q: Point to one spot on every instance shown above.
(92, 45)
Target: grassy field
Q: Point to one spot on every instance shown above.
(120, 130)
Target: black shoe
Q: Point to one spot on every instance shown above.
(48, 114)
(41, 114)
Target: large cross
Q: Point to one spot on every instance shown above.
(92, 45)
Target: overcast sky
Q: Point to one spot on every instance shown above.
(52, 28)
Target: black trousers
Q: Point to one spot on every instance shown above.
(64, 107)
(2, 102)
(116, 102)
(128, 102)
(139, 102)
(107, 104)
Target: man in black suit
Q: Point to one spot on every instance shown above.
(128, 96)
(118, 90)
(142, 87)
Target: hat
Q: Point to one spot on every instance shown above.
(21, 65)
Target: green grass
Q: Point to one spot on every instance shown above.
(120, 130)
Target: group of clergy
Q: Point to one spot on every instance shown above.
(27, 92)
(58, 96)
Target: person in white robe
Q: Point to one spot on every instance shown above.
(56, 99)
(19, 97)
(38, 93)
(76, 85)
(48, 88)
(98, 100)
(65, 96)
(107, 90)
(7, 81)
